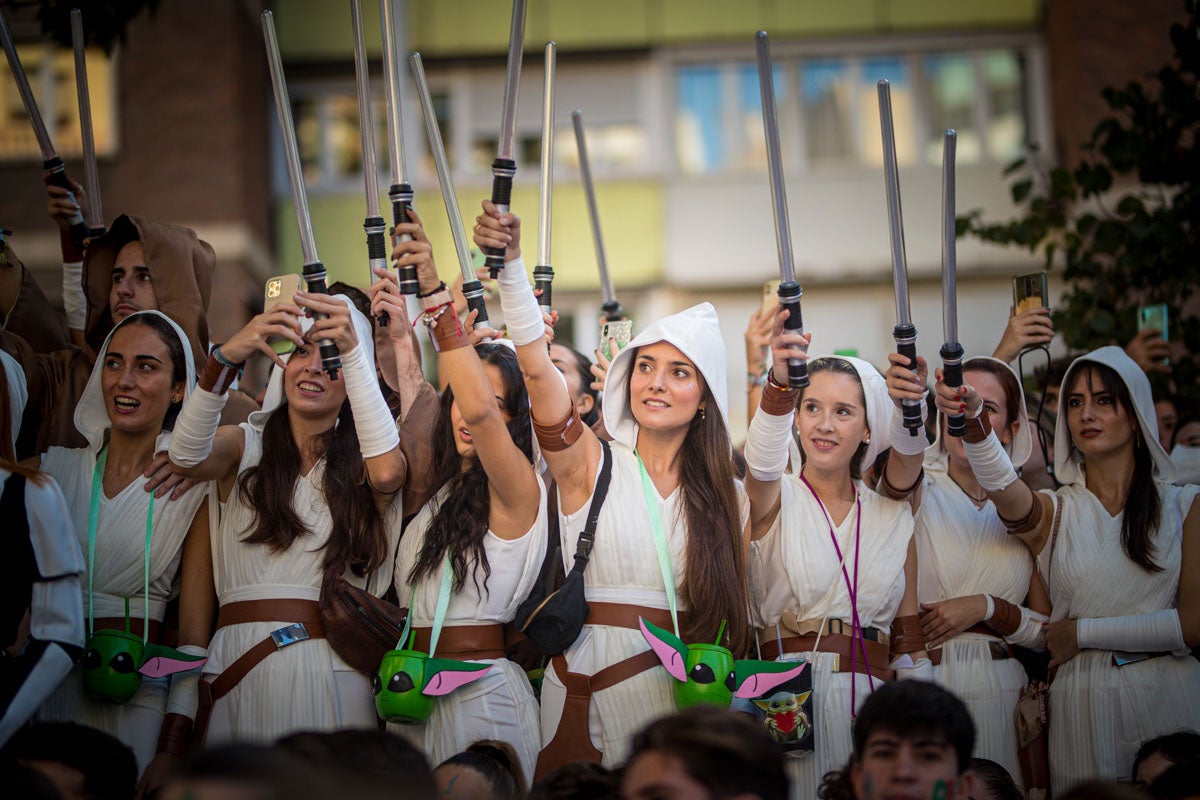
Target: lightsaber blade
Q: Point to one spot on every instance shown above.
(905, 333)
(472, 287)
(789, 290)
(373, 224)
(401, 192)
(314, 270)
(91, 173)
(952, 351)
(56, 171)
(610, 306)
(505, 167)
(543, 274)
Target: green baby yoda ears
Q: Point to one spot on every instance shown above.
(407, 682)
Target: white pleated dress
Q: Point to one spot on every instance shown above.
(500, 705)
(624, 569)
(120, 557)
(1100, 713)
(305, 686)
(794, 568)
(965, 550)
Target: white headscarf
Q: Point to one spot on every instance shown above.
(18, 393)
(1021, 447)
(91, 412)
(697, 334)
(1067, 460)
(274, 396)
(879, 406)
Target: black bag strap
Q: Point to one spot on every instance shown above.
(583, 550)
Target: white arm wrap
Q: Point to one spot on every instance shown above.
(990, 463)
(74, 302)
(921, 670)
(1155, 632)
(191, 441)
(1029, 634)
(767, 443)
(903, 442)
(374, 422)
(522, 314)
(184, 695)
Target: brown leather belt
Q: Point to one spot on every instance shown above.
(572, 740)
(999, 649)
(839, 644)
(299, 612)
(465, 642)
(135, 626)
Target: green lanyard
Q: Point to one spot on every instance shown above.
(660, 540)
(93, 519)
(439, 611)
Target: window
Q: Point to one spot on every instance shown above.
(51, 74)
(328, 138)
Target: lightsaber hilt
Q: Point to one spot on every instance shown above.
(377, 254)
(789, 298)
(56, 174)
(611, 309)
(401, 195)
(543, 278)
(314, 281)
(503, 170)
(905, 335)
(952, 374)
(473, 291)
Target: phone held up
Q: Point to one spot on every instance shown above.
(1029, 291)
(1153, 317)
(281, 289)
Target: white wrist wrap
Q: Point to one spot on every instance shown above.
(374, 422)
(990, 463)
(921, 670)
(991, 607)
(184, 694)
(522, 314)
(903, 442)
(767, 443)
(1155, 632)
(1029, 634)
(74, 302)
(192, 438)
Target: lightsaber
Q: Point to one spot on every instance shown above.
(314, 270)
(905, 333)
(56, 171)
(401, 191)
(610, 306)
(373, 225)
(91, 173)
(543, 274)
(952, 351)
(505, 167)
(789, 289)
(472, 288)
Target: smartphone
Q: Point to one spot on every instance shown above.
(281, 289)
(1029, 291)
(621, 330)
(770, 296)
(1155, 317)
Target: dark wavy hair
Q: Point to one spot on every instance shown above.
(357, 538)
(461, 521)
(1143, 506)
(840, 366)
(583, 365)
(166, 333)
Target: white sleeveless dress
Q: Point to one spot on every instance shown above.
(305, 686)
(624, 569)
(965, 550)
(1100, 713)
(120, 558)
(794, 569)
(500, 705)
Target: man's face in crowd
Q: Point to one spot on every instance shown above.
(895, 767)
(654, 776)
(132, 289)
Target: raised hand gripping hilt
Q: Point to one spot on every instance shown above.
(952, 374)
(503, 170)
(401, 195)
(314, 281)
(543, 278)
(905, 336)
(56, 172)
(473, 291)
(376, 230)
(789, 298)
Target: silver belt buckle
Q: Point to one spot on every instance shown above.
(289, 634)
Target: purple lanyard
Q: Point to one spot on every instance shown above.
(857, 637)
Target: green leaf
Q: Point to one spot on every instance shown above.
(1021, 190)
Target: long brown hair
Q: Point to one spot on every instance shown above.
(357, 538)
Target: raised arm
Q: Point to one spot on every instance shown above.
(902, 475)
(571, 450)
(1031, 328)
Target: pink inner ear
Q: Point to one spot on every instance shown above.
(763, 682)
(160, 667)
(447, 681)
(668, 655)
